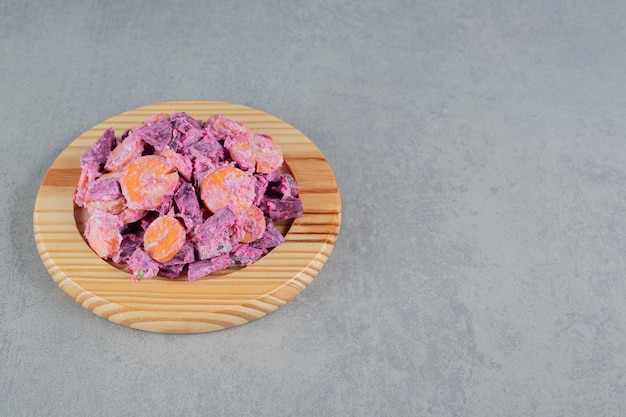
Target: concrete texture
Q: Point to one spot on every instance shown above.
(479, 148)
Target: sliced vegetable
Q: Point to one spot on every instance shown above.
(148, 182)
(177, 196)
(164, 238)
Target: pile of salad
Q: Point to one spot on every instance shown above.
(178, 197)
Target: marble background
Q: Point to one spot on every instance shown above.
(479, 149)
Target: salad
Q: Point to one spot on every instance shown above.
(179, 197)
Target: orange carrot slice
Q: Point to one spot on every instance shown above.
(127, 151)
(147, 182)
(223, 127)
(250, 225)
(131, 215)
(112, 206)
(256, 151)
(103, 234)
(268, 155)
(164, 238)
(227, 187)
(241, 151)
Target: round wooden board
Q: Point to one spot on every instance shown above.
(223, 299)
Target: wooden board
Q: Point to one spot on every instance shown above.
(224, 299)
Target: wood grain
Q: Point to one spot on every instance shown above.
(224, 299)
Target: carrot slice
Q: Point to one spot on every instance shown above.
(268, 155)
(127, 151)
(224, 128)
(250, 225)
(147, 182)
(227, 187)
(103, 234)
(242, 152)
(256, 151)
(164, 238)
(131, 215)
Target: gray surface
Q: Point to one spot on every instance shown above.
(479, 148)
